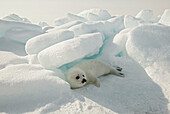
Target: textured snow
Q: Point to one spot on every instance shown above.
(136, 93)
(33, 81)
(65, 26)
(70, 17)
(8, 58)
(149, 46)
(120, 40)
(87, 15)
(131, 21)
(108, 28)
(16, 18)
(38, 43)
(31, 85)
(11, 46)
(17, 31)
(7, 25)
(70, 50)
(145, 15)
(43, 24)
(95, 14)
(149, 43)
(165, 18)
(116, 23)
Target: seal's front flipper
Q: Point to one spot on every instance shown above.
(96, 82)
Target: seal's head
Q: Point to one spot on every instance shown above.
(76, 78)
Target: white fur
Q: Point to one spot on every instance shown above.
(91, 69)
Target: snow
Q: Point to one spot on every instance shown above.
(29, 84)
(136, 93)
(116, 23)
(10, 46)
(145, 15)
(148, 43)
(165, 18)
(120, 40)
(70, 17)
(65, 26)
(131, 21)
(16, 18)
(18, 31)
(34, 60)
(7, 25)
(87, 15)
(95, 14)
(43, 24)
(149, 46)
(8, 58)
(40, 42)
(70, 50)
(108, 28)
(89, 27)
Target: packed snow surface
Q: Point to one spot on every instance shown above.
(95, 14)
(165, 18)
(18, 31)
(145, 15)
(14, 17)
(70, 50)
(149, 46)
(34, 59)
(40, 42)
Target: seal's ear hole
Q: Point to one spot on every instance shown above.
(83, 75)
(96, 83)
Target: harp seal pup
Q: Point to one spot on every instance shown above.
(88, 72)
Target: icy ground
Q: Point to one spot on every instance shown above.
(34, 58)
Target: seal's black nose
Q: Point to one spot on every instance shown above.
(84, 80)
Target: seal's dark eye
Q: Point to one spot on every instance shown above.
(77, 77)
(83, 75)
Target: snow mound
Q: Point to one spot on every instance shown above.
(43, 24)
(149, 46)
(116, 24)
(70, 50)
(20, 36)
(165, 18)
(11, 46)
(130, 21)
(133, 43)
(88, 106)
(145, 15)
(148, 43)
(8, 58)
(136, 93)
(105, 27)
(29, 84)
(120, 40)
(95, 14)
(17, 31)
(38, 43)
(87, 15)
(70, 17)
(65, 26)
(16, 18)
(33, 59)
(156, 20)
(88, 27)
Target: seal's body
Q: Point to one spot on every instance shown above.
(88, 72)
